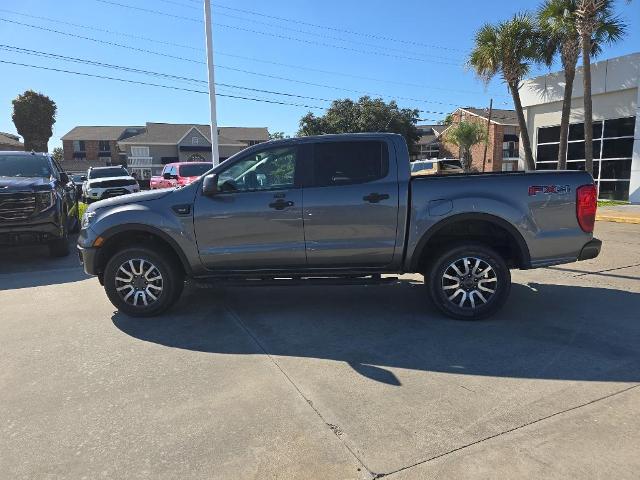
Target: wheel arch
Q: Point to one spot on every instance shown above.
(136, 234)
(519, 249)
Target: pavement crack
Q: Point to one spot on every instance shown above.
(583, 274)
(334, 428)
(505, 432)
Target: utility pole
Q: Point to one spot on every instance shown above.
(215, 154)
(486, 143)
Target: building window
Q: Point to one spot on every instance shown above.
(253, 142)
(510, 150)
(104, 146)
(78, 146)
(195, 140)
(430, 150)
(139, 151)
(612, 152)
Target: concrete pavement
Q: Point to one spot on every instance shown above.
(315, 382)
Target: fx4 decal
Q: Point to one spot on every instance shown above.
(548, 189)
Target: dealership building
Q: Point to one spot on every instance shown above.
(616, 128)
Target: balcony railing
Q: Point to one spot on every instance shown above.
(140, 161)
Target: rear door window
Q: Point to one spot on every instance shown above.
(349, 163)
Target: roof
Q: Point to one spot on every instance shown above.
(172, 133)
(429, 133)
(10, 139)
(498, 115)
(96, 132)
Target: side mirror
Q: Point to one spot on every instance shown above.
(167, 176)
(210, 185)
(64, 178)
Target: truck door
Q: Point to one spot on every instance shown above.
(255, 220)
(351, 204)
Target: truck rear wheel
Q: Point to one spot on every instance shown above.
(469, 282)
(143, 282)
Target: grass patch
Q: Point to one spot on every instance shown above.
(82, 207)
(611, 203)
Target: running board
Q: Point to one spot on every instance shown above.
(292, 281)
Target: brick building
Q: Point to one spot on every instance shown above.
(503, 141)
(94, 146)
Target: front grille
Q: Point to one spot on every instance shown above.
(113, 183)
(17, 206)
(115, 192)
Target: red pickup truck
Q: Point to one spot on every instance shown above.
(178, 174)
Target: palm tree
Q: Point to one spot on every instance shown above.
(558, 27)
(592, 16)
(508, 49)
(465, 135)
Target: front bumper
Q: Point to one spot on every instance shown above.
(102, 193)
(88, 259)
(590, 250)
(34, 234)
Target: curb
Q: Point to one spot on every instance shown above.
(631, 220)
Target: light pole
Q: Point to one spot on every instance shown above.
(212, 86)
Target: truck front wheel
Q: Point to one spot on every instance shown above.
(143, 282)
(468, 282)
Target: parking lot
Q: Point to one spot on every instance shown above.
(323, 382)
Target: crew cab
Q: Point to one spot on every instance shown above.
(107, 182)
(179, 174)
(38, 203)
(343, 208)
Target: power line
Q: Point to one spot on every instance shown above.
(307, 32)
(170, 87)
(277, 35)
(249, 72)
(13, 48)
(335, 29)
(102, 30)
(218, 53)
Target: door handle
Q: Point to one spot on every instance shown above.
(375, 197)
(281, 204)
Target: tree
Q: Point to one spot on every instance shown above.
(365, 115)
(58, 154)
(591, 16)
(34, 115)
(509, 48)
(557, 20)
(465, 135)
(277, 136)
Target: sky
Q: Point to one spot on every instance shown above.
(412, 51)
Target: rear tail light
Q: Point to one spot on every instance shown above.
(586, 205)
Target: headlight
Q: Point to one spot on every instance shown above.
(87, 218)
(45, 200)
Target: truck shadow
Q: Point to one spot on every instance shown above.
(544, 332)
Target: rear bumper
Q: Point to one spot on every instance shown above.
(590, 250)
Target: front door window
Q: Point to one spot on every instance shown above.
(272, 169)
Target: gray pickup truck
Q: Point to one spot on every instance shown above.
(338, 208)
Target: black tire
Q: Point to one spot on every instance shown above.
(60, 247)
(468, 288)
(170, 285)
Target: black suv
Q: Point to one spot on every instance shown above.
(38, 202)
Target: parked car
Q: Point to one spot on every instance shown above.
(107, 182)
(38, 203)
(78, 180)
(436, 166)
(346, 208)
(179, 174)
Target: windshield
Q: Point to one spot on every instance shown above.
(195, 170)
(108, 172)
(24, 166)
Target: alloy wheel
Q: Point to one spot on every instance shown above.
(469, 282)
(139, 282)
